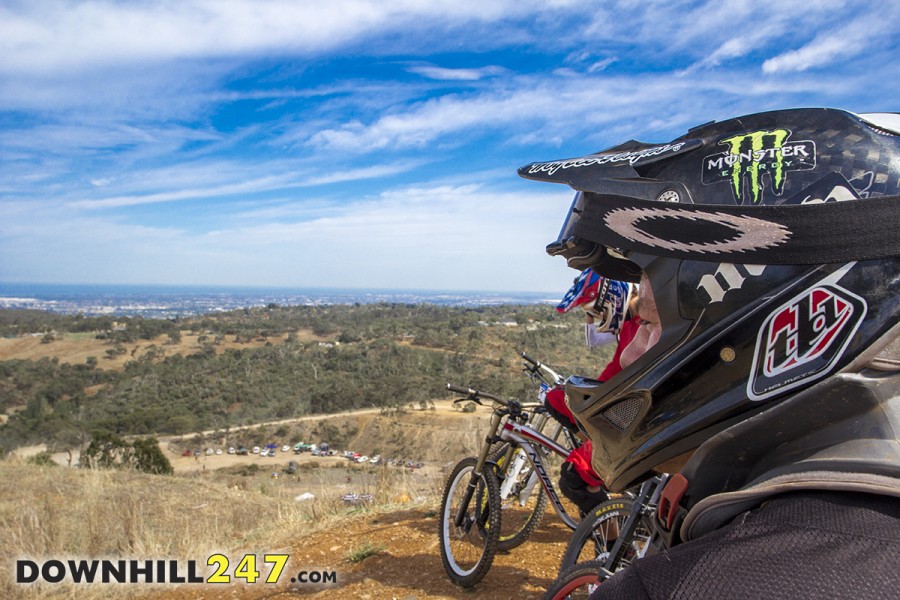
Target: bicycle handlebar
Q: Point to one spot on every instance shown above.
(555, 377)
(472, 394)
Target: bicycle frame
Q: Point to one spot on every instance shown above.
(528, 439)
(520, 436)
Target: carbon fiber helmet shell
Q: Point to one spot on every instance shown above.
(737, 339)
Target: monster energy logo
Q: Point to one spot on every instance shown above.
(754, 157)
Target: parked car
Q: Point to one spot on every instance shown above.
(242, 451)
(218, 452)
(231, 450)
(264, 452)
(209, 451)
(255, 449)
(285, 448)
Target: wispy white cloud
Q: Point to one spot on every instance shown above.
(291, 179)
(862, 34)
(569, 106)
(244, 187)
(818, 53)
(51, 35)
(445, 74)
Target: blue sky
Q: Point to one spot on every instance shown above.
(371, 143)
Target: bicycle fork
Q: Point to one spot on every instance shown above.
(647, 497)
(459, 519)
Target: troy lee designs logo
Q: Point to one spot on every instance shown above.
(803, 339)
(753, 156)
(630, 157)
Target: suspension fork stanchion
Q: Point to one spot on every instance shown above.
(460, 517)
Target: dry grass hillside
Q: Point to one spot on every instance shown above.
(232, 505)
(75, 348)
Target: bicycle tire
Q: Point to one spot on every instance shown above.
(468, 551)
(522, 510)
(596, 533)
(578, 581)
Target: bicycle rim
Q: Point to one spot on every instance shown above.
(577, 582)
(598, 531)
(468, 550)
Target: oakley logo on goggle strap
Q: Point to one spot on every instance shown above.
(698, 231)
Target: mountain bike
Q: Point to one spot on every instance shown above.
(522, 501)
(471, 506)
(610, 538)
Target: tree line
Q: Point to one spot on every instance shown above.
(371, 355)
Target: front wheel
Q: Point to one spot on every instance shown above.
(468, 548)
(522, 499)
(595, 535)
(578, 581)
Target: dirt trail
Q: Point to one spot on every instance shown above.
(407, 566)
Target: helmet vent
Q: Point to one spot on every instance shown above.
(622, 414)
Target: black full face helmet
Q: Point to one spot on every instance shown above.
(770, 242)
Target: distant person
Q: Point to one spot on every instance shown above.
(609, 317)
(577, 480)
(610, 307)
(606, 303)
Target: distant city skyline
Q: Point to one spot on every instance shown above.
(369, 144)
(152, 301)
